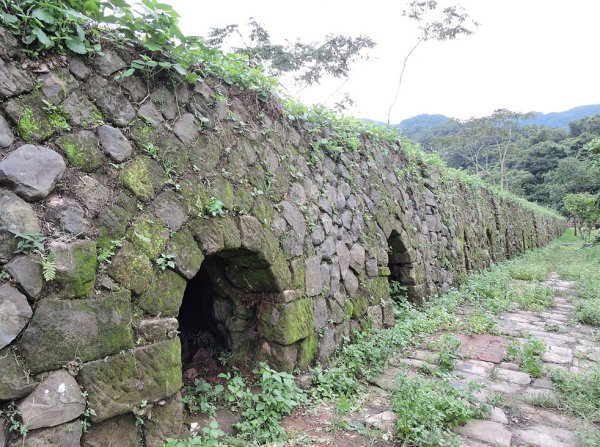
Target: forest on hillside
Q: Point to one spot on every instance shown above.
(542, 164)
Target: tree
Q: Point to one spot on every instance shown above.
(307, 62)
(585, 210)
(450, 23)
(485, 144)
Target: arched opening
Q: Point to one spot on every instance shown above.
(217, 317)
(403, 281)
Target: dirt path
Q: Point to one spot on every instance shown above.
(514, 421)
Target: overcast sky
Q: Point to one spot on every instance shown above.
(526, 55)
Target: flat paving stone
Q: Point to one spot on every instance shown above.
(546, 436)
(520, 378)
(487, 431)
(557, 354)
(486, 347)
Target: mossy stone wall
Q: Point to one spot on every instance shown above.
(158, 167)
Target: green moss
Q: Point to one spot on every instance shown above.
(263, 211)
(360, 305)
(307, 349)
(131, 268)
(378, 289)
(348, 310)
(164, 295)
(28, 126)
(286, 323)
(143, 177)
(149, 235)
(78, 276)
(85, 157)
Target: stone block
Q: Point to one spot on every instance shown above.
(286, 323)
(62, 331)
(75, 267)
(14, 314)
(117, 384)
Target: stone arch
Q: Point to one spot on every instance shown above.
(402, 265)
(241, 272)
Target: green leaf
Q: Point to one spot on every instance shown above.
(44, 15)
(8, 18)
(152, 46)
(42, 37)
(75, 45)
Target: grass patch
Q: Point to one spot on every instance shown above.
(528, 356)
(532, 296)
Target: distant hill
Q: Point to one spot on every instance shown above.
(562, 119)
(424, 127)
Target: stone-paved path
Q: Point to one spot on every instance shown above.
(513, 421)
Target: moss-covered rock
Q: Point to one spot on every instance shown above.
(14, 382)
(81, 149)
(75, 267)
(307, 350)
(165, 421)
(132, 268)
(188, 257)
(149, 235)
(87, 329)
(143, 177)
(117, 384)
(164, 294)
(118, 431)
(286, 323)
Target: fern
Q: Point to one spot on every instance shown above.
(48, 263)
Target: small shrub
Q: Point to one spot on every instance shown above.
(529, 356)
(202, 397)
(428, 410)
(449, 352)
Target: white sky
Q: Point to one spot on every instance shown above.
(526, 55)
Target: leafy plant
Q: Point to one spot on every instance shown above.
(428, 410)
(262, 411)
(151, 150)
(28, 242)
(106, 253)
(4, 275)
(166, 261)
(449, 352)
(215, 207)
(15, 423)
(211, 435)
(529, 356)
(202, 397)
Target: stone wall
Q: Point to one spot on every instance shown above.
(297, 246)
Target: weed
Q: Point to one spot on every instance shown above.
(106, 253)
(479, 322)
(151, 150)
(15, 423)
(202, 397)
(215, 207)
(529, 356)
(4, 275)
(28, 242)
(428, 410)
(165, 261)
(532, 296)
(449, 352)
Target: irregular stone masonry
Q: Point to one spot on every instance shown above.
(299, 249)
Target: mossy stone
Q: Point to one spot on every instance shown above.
(251, 279)
(286, 323)
(61, 331)
(131, 268)
(263, 210)
(149, 235)
(143, 177)
(164, 295)
(360, 304)
(81, 149)
(34, 123)
(75, 267)
(195, 196)
(377, 289)
(119, 383)
(188, 256)
(307, 350)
